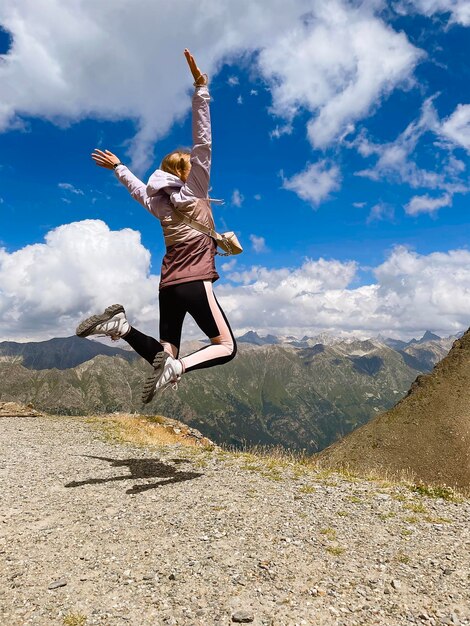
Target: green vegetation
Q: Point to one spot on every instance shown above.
(446, 493)
(307, 489)
(329, 533)
(416, 507)
(336, 550)
(74, 619)
(402, 558)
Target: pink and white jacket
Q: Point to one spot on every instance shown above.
(190, 255)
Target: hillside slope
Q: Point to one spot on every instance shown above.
(426, 434)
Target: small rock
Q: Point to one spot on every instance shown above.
(172, 576)
(243, 617)
(396, 584)
(61, 582)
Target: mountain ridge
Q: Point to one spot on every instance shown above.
(426, 433)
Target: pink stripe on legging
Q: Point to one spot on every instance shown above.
(222, 345)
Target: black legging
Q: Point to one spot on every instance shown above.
(197, 299)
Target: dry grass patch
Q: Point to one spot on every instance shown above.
(144, 430)
(74, 619)
(336, 550)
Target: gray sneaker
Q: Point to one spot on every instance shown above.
(166, 371)
(111, 323)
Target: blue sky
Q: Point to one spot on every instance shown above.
(379, 206)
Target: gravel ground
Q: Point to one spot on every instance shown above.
(100, 533)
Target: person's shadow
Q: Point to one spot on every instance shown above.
(140, 468)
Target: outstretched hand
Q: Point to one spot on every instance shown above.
(105, 159)
(199, 77)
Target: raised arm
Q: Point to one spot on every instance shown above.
(197, 182)
(134, 185)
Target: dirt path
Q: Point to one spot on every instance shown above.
(96, 533)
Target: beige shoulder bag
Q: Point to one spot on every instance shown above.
(228, 241)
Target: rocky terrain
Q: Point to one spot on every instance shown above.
(296, 393)
(426, 434)
(100, 532)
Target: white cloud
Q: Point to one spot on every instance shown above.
(240, 100)
(427, 204)
(229, 266)
(71, 188)
(335, 59)
(279, 131)
(359, 205)
(459, 10)
(257, 196)
(81, 268)
(253, 92)
(315, 183)
(379, 212)
(411, 293)
(339, 63)
(456, 127)
(395, 159)
(237, 198)
(258, 243)
(233, 81)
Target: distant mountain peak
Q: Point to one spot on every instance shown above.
(428, 336)
(252, 337)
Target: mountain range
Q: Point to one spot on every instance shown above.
(299, 393)
(426, 434)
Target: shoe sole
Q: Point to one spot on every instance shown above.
(89, 325)
(153, 379)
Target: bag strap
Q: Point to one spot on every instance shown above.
(197, 225)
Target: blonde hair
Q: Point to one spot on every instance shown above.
(176, 162)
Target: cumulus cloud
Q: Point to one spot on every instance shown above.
(427, 204)
(458, 10)
(258, 243)
(411, 293)
(456, 127)
(335, 59)
(315, 183)
(81, 268)
(338, 63)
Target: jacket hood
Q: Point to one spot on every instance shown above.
(163, 181)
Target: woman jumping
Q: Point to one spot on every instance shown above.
(188, 267)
